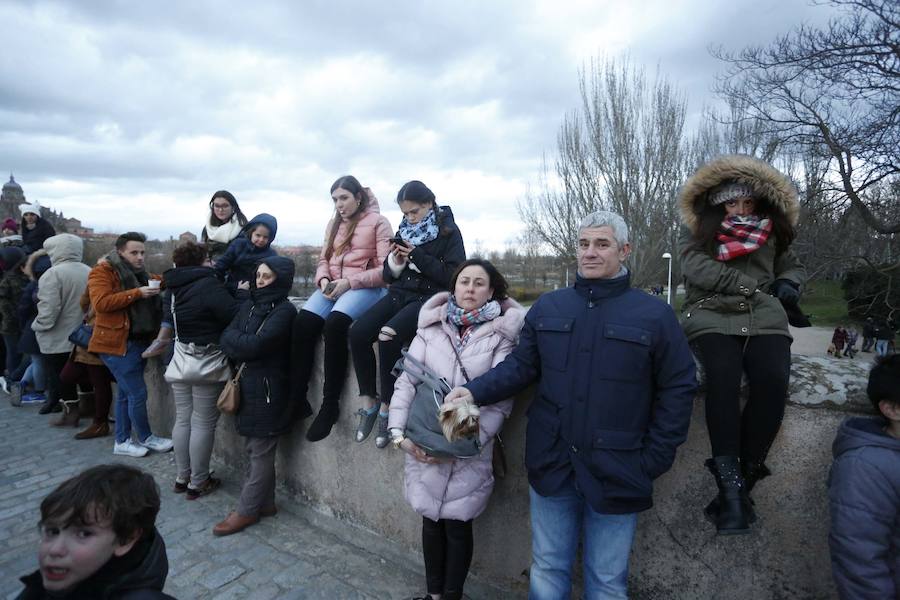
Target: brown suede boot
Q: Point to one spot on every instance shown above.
(69, 416)
(93, 431)
(234, 523)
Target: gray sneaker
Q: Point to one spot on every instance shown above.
(15, 393)
(382, 436)
(366, 422)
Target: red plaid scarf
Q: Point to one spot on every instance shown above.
(738, 236)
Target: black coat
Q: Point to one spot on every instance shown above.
(27, 310)
(138, 575)
(203, 305)
(33, 239)
(436, 261)
(265, 385)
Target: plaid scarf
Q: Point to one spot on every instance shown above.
(468, 320)
(738, 236)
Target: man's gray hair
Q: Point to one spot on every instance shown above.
(606, 218)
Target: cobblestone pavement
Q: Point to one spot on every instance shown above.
(285, 556)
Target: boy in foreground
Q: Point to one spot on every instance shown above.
(99, 539)
(864, 493)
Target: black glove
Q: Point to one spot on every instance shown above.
(787, 291)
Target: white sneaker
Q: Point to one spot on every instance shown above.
(129, 448)
(4, 385)
(157, 444)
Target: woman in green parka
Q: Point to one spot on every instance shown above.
(741, 276)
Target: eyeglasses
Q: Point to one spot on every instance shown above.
(221, 206)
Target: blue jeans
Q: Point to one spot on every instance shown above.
(34, 374)
(352, 303)
(881, 347)
(557, 523)
(131, 398)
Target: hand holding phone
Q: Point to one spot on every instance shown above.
(398, 240)
(329, 288)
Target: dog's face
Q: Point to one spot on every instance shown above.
(459, 422)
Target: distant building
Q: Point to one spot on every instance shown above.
(10, 199)
(187, 236)
(75, 227)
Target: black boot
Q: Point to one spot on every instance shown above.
(50, 406)
(729, 511)
(321, 425)
(753, 471)
(307, 329)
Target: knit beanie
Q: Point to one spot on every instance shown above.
(730, 191)
(10, 223)
(34, 207)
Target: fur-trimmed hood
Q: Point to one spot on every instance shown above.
(767, 181)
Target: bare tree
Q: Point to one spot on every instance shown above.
(833, 91)
(622, 151)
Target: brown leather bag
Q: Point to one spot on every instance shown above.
(230, 397)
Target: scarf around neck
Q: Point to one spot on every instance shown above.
(467, 320)
(422, 232)
(739, 235)
(145, 313)
(223, 233)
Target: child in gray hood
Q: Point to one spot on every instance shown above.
(864, 494)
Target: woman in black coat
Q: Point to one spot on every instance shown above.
(200, 307)
(260, 336)
(423, 256)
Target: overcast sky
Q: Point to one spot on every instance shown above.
(128, 115)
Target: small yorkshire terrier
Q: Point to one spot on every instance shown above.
(459, 421)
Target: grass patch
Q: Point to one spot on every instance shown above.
(824, 301)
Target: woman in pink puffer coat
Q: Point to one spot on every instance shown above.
(484, 325)
(349, 278)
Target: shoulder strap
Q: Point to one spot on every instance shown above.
(459, 359)
(174, 319)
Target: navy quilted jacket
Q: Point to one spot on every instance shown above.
(615, 388)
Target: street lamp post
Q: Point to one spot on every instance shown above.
(668, 258)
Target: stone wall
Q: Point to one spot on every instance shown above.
(676, 552)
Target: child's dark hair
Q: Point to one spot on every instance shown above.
(884, 381)
(495, 278)
(126, 496)
(190, 254)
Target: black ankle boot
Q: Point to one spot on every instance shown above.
(321, 425)
(730, 510)
(49, 407)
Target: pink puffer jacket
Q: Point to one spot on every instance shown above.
(363, 261)
(458, 489)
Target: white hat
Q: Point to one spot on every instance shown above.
(34, 207)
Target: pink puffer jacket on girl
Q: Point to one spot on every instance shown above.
(458, 489)
(362, 261)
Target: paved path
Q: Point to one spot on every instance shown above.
(283, 557)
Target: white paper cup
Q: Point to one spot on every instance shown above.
(154, 283)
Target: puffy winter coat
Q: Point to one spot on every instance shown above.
(616, 383)
(265, 385)
(435, 260)
(33, 239)
(11, 286)
(111, 301)
(457, 489)
(59, 294)
(864, 498)
(138, 575)
(241, 259)
(203, 305)
(732, 298)
(361, 262)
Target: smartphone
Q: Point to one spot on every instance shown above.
(398, 240)
(330, 287)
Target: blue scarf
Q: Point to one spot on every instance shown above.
(467, 320)
(422, 232)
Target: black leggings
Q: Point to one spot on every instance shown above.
(767, 361)
(308, 326)
(56, 389)
(400, 312)
(447, 546)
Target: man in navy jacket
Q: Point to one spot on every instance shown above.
(616, 384)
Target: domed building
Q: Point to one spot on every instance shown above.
(10, 199)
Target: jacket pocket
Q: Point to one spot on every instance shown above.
(624, 353)
(554, 335)
(541, 435)
(616, 462)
